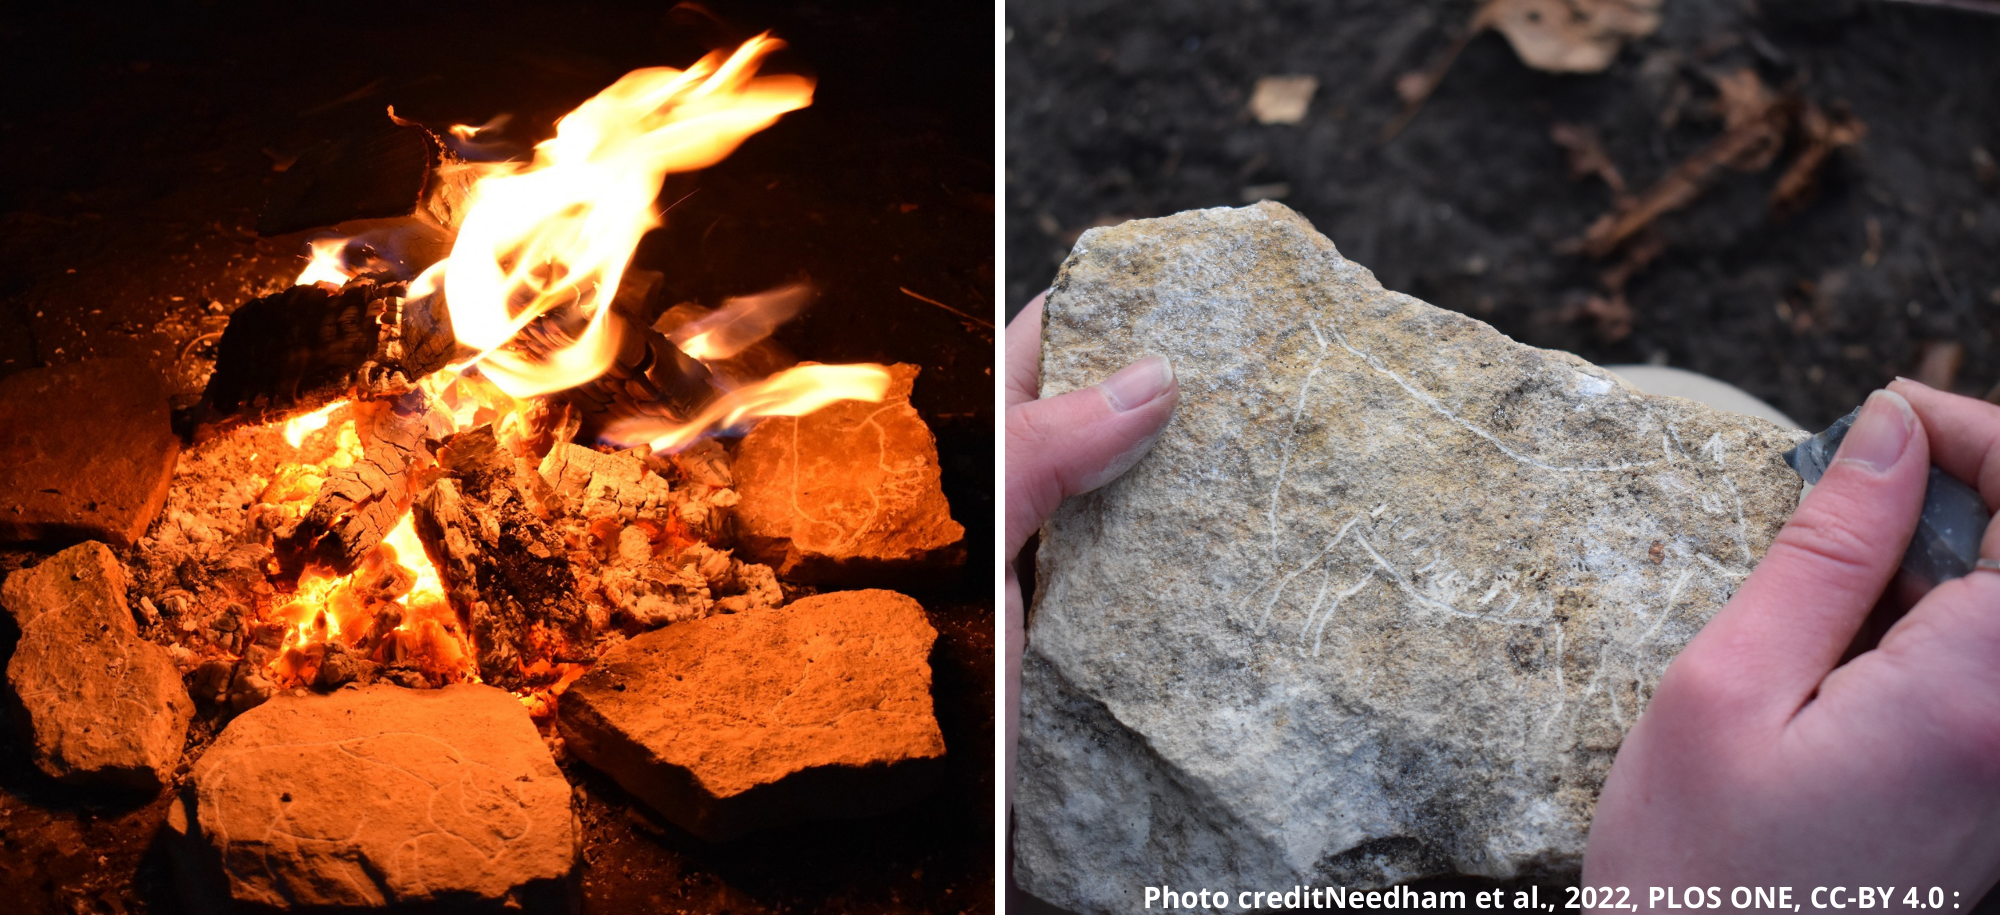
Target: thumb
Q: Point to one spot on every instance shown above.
(1069, 445)
(1792, 619)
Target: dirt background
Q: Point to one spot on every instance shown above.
(139, 142)
(1122, 109)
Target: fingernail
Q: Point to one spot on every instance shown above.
(1138, 384)
(1880, 433)
(1912, 381)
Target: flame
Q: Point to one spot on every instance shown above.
(793, 392)
(328, 263)
(298, 427)
(740, 322)
(554, 236)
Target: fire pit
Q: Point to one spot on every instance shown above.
(419, 478)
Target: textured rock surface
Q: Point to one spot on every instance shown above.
(735, 723)
(1384, 598)
(102, 705)
(89, 449)
(847, 495)
(378, 798)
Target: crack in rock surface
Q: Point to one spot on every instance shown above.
(1383, 599)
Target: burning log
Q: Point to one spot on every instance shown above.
(359, 504)
(396, 170)
(506, 573)
(307, 346)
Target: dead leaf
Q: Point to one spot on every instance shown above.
(1569, 36)
(1282, 99)
(1563, 36)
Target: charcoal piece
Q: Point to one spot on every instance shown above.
(385, 171)
(359, 504)
(1946, 542)
(506, 573)
(298, 350)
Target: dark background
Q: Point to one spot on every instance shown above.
(1124, 109)
(138, 143)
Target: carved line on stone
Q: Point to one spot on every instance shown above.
(1446, 412)
(457, 757)
(1337, 599)
(1291, 437)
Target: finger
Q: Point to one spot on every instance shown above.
(1964, 435)
(1024, 353)
(1793, 617)
(1069, 445)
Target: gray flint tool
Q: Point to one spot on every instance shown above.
(1953, 522)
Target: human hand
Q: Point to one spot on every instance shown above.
(1760, 762)
(1066, 446)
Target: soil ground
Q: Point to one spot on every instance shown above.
(1119, 109)
(139, 142)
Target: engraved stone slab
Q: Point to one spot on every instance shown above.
(1383, 599)
(103, 706)
(378, 798)
(848, 495)
(745, 721)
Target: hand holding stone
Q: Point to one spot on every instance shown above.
(1067, 446)
(1762, 760)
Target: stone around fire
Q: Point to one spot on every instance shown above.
(847, 495)
(739, 722)
(1383, 599)
(89, 449)
(104, 707)
(378, 798)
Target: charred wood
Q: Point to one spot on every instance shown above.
(393, 170)
(298, 350)
(505, 571)
(359, 504)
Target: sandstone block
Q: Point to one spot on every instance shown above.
(739, 722)
(89, 449)
(102, 706)
(1384, 598)
(378, 798)
(847, 495)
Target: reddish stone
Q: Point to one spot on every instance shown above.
(89, 449)
(848, 495)
(378, 798)
(103, 706)
(739, 722)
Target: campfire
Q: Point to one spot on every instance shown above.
(438, 496)
(515, 514)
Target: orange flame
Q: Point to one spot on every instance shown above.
(327, 264)
(298, 427)
(740, 322)
(557, 233)
(793, 392)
